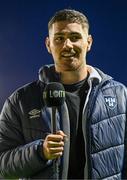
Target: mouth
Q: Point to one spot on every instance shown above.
(68, 54)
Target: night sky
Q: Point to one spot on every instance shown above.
(23, 28)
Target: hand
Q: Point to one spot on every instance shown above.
(53, 145)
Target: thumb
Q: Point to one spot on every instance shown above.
(61, 133)
(65, 137)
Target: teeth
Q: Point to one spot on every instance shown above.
(67, 55)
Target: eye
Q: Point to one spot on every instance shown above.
(75, 38)
(59, 39)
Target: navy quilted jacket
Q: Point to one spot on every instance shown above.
(25, 121)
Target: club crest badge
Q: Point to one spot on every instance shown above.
(110, 101)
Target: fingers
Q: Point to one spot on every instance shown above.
(65, 138)
(55, 137)
(55, 150)
(53, 145)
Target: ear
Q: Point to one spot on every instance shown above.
(47, 43)
(90, 41)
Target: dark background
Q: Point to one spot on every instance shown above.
(23, 28)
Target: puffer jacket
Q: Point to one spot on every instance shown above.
(25, 122)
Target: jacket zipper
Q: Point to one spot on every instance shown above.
(86, 124)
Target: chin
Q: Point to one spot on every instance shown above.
(67, 67)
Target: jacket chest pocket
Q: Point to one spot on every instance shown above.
(36, 129)
(39, 127)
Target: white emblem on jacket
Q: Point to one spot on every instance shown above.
(110, 101)
(34, 113)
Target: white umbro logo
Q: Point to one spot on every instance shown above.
(34, 113)
(110, 101)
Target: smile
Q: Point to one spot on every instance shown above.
(67, 55)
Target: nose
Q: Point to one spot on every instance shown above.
(68, 44)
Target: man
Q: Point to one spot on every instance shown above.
(91, 136)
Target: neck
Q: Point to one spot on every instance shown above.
(70, 77)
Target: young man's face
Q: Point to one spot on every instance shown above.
(68, 43)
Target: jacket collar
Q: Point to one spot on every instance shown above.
(94, 75)
(48, 74)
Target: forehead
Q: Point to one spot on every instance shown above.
(66, 27)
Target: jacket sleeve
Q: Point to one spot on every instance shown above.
(17, 159)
